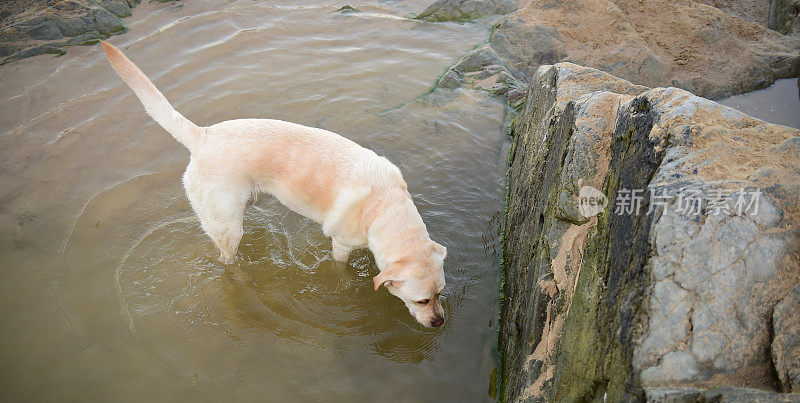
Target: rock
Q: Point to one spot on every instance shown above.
(6, 50)
(88, 38)
(721, 395)
(783, 16)
(77, 26)
(40, 27)
(108, 23)
(347, 9)
(478, 60)
(451, 79)
(672, 290)
(786, 341)
(120, 8)
(644, 43)
(41, 50)
(751, 11)
(465, 10)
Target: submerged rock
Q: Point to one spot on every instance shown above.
(466, 10)
(37, 27)
(673, 283)
(685, 44)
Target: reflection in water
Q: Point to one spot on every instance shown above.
(278, 285)
(112, 291)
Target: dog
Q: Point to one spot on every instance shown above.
(360, 198)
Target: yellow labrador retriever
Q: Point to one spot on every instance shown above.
(359, 197)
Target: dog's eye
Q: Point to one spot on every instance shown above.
(423, 301)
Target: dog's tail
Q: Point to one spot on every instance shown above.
(155, 104)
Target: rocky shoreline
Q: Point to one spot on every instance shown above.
(687, 44)
(36, 27)
(633, 304)
(664, 303)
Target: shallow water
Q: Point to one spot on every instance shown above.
(779, 104)
(111, 291)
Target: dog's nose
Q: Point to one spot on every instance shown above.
(437, 322)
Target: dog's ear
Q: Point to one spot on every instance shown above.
(383, 278)
(439, 249)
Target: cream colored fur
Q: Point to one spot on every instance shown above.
(359, 197)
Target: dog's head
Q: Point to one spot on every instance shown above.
(418, 280)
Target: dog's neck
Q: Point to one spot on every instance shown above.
(395, 230)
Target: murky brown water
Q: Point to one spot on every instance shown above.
(110, 290)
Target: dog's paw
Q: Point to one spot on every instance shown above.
(226, 261)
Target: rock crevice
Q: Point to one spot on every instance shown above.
(671, 287)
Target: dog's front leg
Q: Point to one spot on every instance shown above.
(341, 252)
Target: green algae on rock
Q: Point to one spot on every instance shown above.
(617, 304)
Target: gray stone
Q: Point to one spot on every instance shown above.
(77, 25)
(675, 366)
(451, 80)
(40, 50)
(671, 308)
(43, 28)
(720, 395)
(783, 15)
(673, 298)
(120, 8)
(6, 50)
(526, 47)
(81, 22)
(465, 10)
(786, 341)
(347, 9)
(478, 59)
(108, 23)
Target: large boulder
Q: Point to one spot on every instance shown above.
(649, 234)
(685, 44)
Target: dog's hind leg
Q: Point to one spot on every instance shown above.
(341, 252)
(220, 207)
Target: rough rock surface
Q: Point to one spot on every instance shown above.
(673, 284)
(36, 27)
(465, 10)
(783, 16)
(786, 344)
(720, 395)
(685, 44)
(748, 10)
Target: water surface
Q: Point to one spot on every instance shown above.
(779, 103)
(110, 290)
